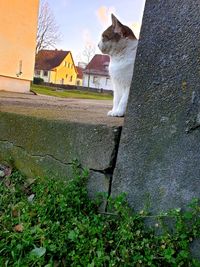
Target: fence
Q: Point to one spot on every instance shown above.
(76, 87)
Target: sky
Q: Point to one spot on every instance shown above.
(82, 22)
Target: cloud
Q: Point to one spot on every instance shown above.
(87, 37)
(103, 14)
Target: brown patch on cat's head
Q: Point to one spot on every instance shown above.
(116, 33)
(109, 34)
(121, 29)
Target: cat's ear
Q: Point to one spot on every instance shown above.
(117, 25)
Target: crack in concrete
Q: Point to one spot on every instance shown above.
(193, 113)
(105, 171)
(108, 172)
(37, 156)
(192, 128)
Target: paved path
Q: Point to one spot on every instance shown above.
(74, 110)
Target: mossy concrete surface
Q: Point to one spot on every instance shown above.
(158, 163)
(47, 146)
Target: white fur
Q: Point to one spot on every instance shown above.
(122, 58)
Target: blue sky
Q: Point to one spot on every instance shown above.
(82, 22)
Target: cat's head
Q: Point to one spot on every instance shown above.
(116, 37)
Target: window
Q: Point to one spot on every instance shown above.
(37, 72)
(107, 80)
(106, 64)
(65, 63)
(45, 73)
(71, 66)
(68, 65)
(95, 78)
(71, 78)
(66, 75)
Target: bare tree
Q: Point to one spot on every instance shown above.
(88, 53)
(48, 33)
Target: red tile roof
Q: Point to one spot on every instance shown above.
(80, 72)
(49, 59)
(98, 65)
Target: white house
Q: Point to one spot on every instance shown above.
(96, 73)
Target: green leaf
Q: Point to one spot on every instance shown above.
(168, 253)
(99, 254)
(91, 264)
(38, 252)
(184, 254)
(72, 235)
(188, 215)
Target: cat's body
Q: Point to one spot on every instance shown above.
(119, 42)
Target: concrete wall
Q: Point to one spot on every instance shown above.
(159, 154)
(18, 25)
(47, 147)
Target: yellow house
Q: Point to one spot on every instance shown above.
(18, 27)
(56, 66)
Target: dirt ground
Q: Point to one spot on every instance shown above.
(74, 110)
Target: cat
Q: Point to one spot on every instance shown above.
(120, 43)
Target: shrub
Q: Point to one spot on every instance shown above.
(54, 223)
(38, 80)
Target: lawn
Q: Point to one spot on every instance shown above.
(44, 90)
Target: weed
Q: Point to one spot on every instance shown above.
(53, 223)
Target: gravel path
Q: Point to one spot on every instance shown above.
(74, 110)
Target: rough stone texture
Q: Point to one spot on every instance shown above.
(195, 249)
(99, 183)
(44, 147)
(158, 163)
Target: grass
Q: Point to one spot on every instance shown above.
(44, 90)
(52, 223)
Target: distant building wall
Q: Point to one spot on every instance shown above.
(44, 74)
(18, 26)
(14, 85)
(79, 82)
(97, 81)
